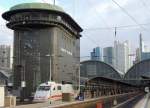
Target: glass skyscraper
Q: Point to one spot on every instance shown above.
(108, 55)
(96, 54)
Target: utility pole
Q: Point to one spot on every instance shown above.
(54, 2)
(79, 77)
(50, 69)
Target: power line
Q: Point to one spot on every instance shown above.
(144, 4)
(128, 14)
(93, 41)
(105, 22)
(105, 28)
(113, 27)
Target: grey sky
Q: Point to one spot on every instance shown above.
(93, 15)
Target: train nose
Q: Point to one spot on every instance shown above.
(40, 95)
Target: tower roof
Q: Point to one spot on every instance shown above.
(41, 7)
(44, 6)
(32, 6)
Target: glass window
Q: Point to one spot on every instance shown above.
(44, 88)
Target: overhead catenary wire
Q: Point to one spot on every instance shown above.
(145, 5)
(105, 22)
(123, 10)
(89, 3)
(105, 28)
(93, 41)
(118, 27)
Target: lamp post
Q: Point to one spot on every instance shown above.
(77, 68)
(79, 76)
(50, 67)
(50, 63)
(48, 55)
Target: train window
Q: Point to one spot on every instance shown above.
(59, 88)
(44, 88)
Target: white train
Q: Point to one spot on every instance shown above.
(52, 91)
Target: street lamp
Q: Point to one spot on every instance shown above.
(50, 74)
(50, 67)
(79, 77)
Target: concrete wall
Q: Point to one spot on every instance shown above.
(1, 96)
(105, 101)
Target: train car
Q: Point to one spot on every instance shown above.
(52, 91)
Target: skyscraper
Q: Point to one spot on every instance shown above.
(137, 58)
(5, 56)
(144, 52)
(108, 55)
(141, 46)
(122, 60)
(96, 54)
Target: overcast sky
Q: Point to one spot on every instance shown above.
(95, 17)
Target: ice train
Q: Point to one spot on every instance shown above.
(52, 91)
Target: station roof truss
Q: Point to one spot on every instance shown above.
(94, 68)
(139, 73)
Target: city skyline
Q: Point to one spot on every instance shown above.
(118, 56)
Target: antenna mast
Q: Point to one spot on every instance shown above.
(54, 2)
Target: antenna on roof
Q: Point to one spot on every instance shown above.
(54, 2)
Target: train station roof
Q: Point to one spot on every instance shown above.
(93, 68)
(138, 72)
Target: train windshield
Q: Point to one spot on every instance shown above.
(44, 88)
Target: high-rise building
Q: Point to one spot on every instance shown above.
(145, 55)
(141, 46)
(122, 60)
(5, 56)
(96, 54)
(46, 46)
(146, 48)
(144, 52)
(108, 55)
(137, 58)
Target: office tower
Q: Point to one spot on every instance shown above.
(96, 54)
(108, 55)
(122, 60)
